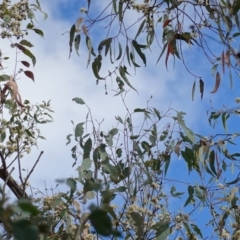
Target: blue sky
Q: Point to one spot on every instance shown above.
(61, 79)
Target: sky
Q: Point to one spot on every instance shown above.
(60, 79)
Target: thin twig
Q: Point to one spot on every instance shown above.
(31, 171)
(5, 183)
(19, 163)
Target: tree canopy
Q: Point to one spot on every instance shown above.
(134, 27)
(149, 175)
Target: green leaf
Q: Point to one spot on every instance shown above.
(28, 133)
(140, 110)
(196, 230)
(119, 152)
(188, 131)
(102, 151)
(132, 137)
(189, 157)
(157, 113)
(30, 55)
(214, 68)
(27, 206)
(109, 209)
(89, 46)
(150, 38)
(190, 195)
(72, 184)
(237, 21)
(201, 85)
(225, 116)
(164, 234)
(133, 60)
(167, 163)
(2, 136)
(236, 34)
(106, 43)
(68, 138)
(38, 31)
(86, 164)
(122, 71)
(138, 222)
(128, 55)
(120, 11)
(90, 49)
(230, 79)
(102, 222)
(120, 83)
(113, 131)
(96, 65)
(115, 6)
(79, 130)
(212, 161)
(140, 53)
(174, 193)
(119, 119)
(71, 37)
(140, 29)
(77, 41)
(96, 155)
(119, 92)
(163, 50)
(24, 230)
(193, 90)
(120, 189)
(162, 230)
(87, 148)
(26, 43)
(120, 51)
(78, 100)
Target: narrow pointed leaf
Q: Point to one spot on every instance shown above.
(128, 55)
(190, 195)
(230, 79)
(140, 29)
(223, 62)
(77, 43)
(71, 37)
(122, 71)
(120, 51)
(120, 11)
(140, 53)
(212, 162)
(38, 31)
(201, 85)
(90, 45)
(29, 54)
(169, 50)
(163, 50)
(193, 90)
(133, 60)
(96, 67)
(217, 83)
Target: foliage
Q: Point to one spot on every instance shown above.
(169, 25)
(20, 120)
(132, 173)
(149, 176)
